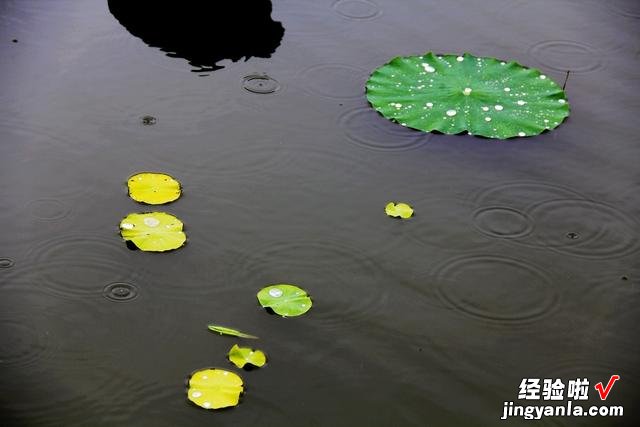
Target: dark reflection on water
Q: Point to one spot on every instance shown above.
(202, 31)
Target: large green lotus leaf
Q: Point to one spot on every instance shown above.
(153, 188)
(153, 231)
(240, 356)
(215, 388)
(223, 330)
(452, 94)
(285, 300)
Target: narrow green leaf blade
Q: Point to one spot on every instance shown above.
(223, 330)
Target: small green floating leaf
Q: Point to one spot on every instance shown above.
(153, 231)
(240, 356)
(285, 300)
(215, 388)
(223, 330)
(401, 210)
(452, 94)
(153, 188)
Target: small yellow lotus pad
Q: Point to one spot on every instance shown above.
(153, 188)
(153, 231)
(401, 210)
(215, 388)
(241, 356)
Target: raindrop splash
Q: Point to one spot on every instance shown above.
(6, 263)
(148, 120)
(120, 292)
(260, 84)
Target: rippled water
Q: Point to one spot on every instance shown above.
(521, 259)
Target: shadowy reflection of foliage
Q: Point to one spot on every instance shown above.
(202, 31)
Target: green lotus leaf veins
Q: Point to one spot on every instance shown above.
(452, 94)
(285, 300)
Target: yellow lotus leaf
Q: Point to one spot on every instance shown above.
(153, 188)
(401, 210)
(153, 231)
(215, 388)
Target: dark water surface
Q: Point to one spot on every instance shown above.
(521, 261)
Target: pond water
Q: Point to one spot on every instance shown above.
(521, 260)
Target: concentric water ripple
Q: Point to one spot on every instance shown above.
(497, 289)
(503, 209)
(446, 224)
(346, 284)
(502, 222)
(260, 84)
(566, 19)
(6, 263)
(86, 351)
(25, 342)
(185, 112)
(585, 228)
(567, 366)
(567, 55)
(357, 10)
(242, 160)
(98, 390)
(629, 8)
(180, 113)
(120, 292)
(256, 151)
(366, 128)
(35, 154)
(337, 81)
(245, 159)
(48, 209)
(79, 265)
(307, 20)
(607, 303)
(38, 135)
(12, 275)
(518, 195)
